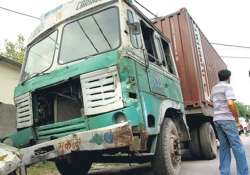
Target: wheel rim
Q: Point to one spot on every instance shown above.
(175, 150)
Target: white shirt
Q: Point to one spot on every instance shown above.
(222, 92)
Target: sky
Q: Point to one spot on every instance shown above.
(222, 21)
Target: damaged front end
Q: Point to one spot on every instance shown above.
(10, 159)
(67, 107)
(116, 136)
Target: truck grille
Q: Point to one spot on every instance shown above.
(24, 110)
(61, 129)
(101, 91)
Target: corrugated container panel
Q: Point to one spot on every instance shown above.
(197, 61)
(214, 63)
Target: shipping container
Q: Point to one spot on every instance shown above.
(196, 59)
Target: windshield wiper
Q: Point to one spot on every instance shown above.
(33, 76)
(104, 36)
(87, 36)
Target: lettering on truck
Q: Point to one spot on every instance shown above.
(85, 3)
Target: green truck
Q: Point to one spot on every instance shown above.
(99, 83)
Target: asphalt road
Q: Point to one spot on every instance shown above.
(212, 167)
(188, 167)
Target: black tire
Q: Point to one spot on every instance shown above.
(73, 164)
(195, 146)
(208, 141)
(167, 159)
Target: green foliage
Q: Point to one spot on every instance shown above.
(16, 50)
(244, 110)
(43, 168)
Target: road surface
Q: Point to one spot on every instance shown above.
(188, 167)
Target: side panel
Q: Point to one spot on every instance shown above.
(163, 85)
(135, 79)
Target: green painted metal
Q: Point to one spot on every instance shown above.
(62, 124)
(164, 85)
(86, 65)
(152, 88)
(62, 129)
(49, 137)
(22, 137)
(98, 139)
(99, 121)
(107, 119)
(151, 104)
(142, 78)
(128, 77)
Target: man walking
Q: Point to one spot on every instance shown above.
(225, 117)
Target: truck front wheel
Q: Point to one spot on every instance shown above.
(167, 158)
(73, 164)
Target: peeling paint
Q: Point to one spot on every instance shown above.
(2, 157)
(123, 136)
(102, 138)
(69, 145)
(115, 136)
(108, 137)
(9, 159)
(97, 138)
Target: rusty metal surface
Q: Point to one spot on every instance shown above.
(197, 61)
(115, 136)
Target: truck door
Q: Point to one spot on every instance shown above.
(161, 68)
(155, 71)
(169, 78)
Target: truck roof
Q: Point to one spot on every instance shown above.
(63, 12)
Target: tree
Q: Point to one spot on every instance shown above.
(16, 50)
(244, 110)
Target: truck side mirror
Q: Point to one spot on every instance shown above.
(135, 28)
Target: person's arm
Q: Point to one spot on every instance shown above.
(230, 96)
(233, 108)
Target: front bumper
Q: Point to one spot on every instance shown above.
(115, 136)
(10, 159)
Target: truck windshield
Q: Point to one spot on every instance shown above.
(40, 56)
(89, 36)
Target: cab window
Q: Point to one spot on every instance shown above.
(148, 37)
(168, 61)
(161, 52)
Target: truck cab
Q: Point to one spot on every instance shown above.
(99, 78)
